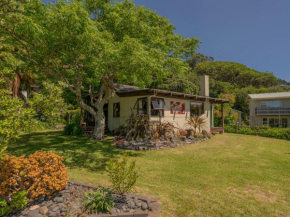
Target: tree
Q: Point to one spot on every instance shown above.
(90, 48)
(198, 58)
(236, 73)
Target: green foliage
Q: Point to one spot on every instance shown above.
(90, 46)
(123, 174)
(18, 202)
(38, 125)
(49, 104)
(73, 129)
(198, 58)
(236, 73)
(278, 133)
(99, 201)
(13, 117)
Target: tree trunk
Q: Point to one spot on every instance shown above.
(99, 128)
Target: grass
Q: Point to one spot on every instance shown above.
(229, 175)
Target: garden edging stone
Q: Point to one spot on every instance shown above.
(68, 202)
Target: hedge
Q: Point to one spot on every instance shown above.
(278, 133)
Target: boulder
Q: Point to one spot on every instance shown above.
(144, 205)
(43, 210)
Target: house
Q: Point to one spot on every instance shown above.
(270, 109)
(160, 105)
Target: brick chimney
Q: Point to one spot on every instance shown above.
(204, 85)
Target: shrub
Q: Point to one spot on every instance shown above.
(196, 122)
(164, 129)
(18, 201)
(73, 129)
(42, 173)
(137, 127)
(99, 201)
(278, 133)
(123, 174)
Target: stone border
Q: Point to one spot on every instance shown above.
(160, 144)
(152, 203)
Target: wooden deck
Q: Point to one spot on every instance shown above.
(217, 130)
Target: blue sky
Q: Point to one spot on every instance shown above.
(253, 32)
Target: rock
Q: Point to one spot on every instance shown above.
(34, 207)
(43, 210)
(64, 191)
(51, 214)
(139, 204)
(183, 138)
(48, 203)
(60, 205)
(33, 213)
(144, 205)
(24, 212)
(63, 209)
(136, 201)
(172, 145)
(113, 210)
(205, 134)
(55, 209)
(58, 199)
(131, 205)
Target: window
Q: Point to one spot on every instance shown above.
(157, 107)
(284, 122)
(271, 104)
(271, 122)
(274, 122)
(116, 110)
(141, 106)
(265, 121)
(196, 108)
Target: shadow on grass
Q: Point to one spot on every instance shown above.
(78, 151)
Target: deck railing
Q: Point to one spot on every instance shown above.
(273, 111)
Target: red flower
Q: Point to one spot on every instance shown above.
(118, 140)
(123, 140)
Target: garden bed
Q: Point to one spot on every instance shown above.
(69, 202)
(159, 144)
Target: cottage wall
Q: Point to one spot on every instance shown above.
(127, 105)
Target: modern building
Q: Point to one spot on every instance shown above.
(270, 109)
(161, 105)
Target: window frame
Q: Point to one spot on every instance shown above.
(116, 115)
(159, 110)
(145, 110)
(270, 104)
(283, 125)
(197, 103)
(267, 120)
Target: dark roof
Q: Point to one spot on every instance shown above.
(128, 90)
(123, 88)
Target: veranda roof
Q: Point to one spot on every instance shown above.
(128, 90)
(279, 95)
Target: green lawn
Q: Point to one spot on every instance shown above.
(229, 175)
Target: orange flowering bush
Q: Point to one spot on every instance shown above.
(42, 173)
